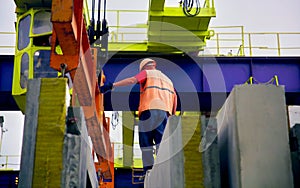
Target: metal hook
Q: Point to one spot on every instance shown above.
(63, 68)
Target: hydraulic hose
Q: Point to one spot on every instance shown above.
(98, 28)
(91, 29)
(188, 7)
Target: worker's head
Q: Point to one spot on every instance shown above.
(147, 63)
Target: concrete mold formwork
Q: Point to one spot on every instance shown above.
(253, 138)
(54, 154)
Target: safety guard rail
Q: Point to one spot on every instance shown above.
(227, 40)
(10, 162)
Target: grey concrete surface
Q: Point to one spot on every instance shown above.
(253, 138)
(210, 153)
(29, 133)
(168, 168)
(295, 153)
(77, 162)
(77, 159)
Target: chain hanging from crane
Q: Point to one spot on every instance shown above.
(190, 8)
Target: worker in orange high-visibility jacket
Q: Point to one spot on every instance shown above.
(158, 100)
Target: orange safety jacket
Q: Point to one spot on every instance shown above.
(157, 93)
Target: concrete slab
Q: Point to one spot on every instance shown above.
(295, 153)
(168, 168)
(210, 153)
(46, 107)
(253, 138)
(77, 162)
(29, 133)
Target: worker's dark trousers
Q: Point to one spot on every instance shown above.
(151, 128)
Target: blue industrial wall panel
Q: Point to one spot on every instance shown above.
(212, 74)
(178, 69)
(6, 72)
(9, 178)
(7, 102)
(238, 70)
(211, 78)
(202, 83)
(288, 74)
(222, 76)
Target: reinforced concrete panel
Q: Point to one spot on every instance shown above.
(168, 168)
(210, 152)
(77, 162)
(29, 133)
(253, 138)
(46, 106)
(295, 153)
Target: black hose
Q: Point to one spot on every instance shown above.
(99, 8)
(104, 33)
(188, 6)
(104, 14)
(98, 28)
(93, 10)
(91, 29)
(104, 22)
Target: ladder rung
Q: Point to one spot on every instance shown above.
(137, 173)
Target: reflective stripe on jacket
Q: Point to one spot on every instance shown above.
(157, 93)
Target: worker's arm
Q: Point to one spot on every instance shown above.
(139, 78)
(125, 82)
(109, 86)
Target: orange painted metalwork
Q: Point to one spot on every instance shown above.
(104, 169)
(69, 32)
(67, 24)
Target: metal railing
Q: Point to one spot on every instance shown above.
(122, 30)
(227, 41)
(10, 162)
(233, 41)
(7, 42)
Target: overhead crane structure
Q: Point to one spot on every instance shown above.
(59, 29)
(170, 31)
(174, 36)
(62, 23)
